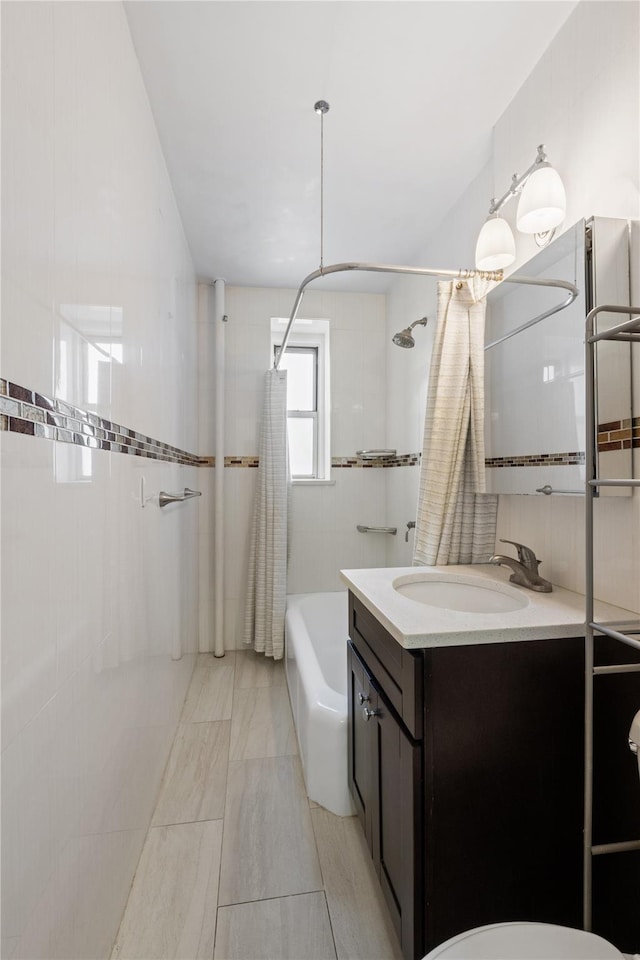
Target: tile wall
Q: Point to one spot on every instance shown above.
(99, 313)
(98, 356)
(583, 101)
(324, 516)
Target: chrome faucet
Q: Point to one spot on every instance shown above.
(525, 568)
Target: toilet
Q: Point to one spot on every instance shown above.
(634, 737)
(525, 941)
(532, 941)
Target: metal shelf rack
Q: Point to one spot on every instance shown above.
(626, 632)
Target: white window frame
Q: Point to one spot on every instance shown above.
(315, 335)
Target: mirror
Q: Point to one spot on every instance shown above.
(534, 382)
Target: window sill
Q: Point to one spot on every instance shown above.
(312, 482)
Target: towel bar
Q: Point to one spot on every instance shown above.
(165, 498)
(548, 490)
(362, 529)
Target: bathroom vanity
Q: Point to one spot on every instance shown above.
(466, 760)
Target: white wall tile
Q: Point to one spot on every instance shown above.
(401, 507)
(97, 592)
(29, 663)
(28, 151)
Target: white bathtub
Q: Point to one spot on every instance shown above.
(316, 633)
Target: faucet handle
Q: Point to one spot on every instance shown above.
(526, 555)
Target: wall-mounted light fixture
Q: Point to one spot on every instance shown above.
(541, 209)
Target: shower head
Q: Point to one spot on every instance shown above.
(405, 337)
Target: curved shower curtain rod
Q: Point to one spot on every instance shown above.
(462, 274)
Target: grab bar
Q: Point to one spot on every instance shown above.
(362, 529)
(165, 498)
(548, 490)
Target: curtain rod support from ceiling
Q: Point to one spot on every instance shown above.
(462, 274)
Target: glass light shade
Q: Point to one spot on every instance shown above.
(496, 247)
(543, 203)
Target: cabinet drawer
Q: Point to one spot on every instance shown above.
(399, 672)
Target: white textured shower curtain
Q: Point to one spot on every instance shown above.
(456, 520)
(267, 576)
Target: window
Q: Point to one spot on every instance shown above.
(301, 364)
(306, 363)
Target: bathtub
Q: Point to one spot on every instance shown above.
(316, 627)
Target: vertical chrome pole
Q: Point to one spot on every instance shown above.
(218, 533)
(321, 107)
(590, 491)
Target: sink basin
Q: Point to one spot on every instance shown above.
(464, 595)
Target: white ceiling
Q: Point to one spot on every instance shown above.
(414, 87)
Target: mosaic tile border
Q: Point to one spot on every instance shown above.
(574, 458)
(248, 462)
(30, 413)
(339, 463)
(407, 460)
(404, 460)
(618, 435)
(33, 414)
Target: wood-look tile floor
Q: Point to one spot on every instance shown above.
(238, 863)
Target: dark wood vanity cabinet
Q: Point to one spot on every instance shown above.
(465, 764)
(385, 766)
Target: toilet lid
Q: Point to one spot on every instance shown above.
(525, 941)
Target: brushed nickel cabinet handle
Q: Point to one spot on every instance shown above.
(367, 714)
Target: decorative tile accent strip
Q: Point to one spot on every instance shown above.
(538, 460)
(618, 434)
(404, 460)
(27, 412)
(241, 461)
(32, 414)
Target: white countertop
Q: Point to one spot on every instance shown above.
(414, 625)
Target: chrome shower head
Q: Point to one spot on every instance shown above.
(405, 337)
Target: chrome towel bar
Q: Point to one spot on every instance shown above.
(548, 490)
(362, 529)
(165, 498)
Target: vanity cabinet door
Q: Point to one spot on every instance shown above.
(385, 778)
(361, 742)
(397, 825)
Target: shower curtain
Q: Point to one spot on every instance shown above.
(267, 576)
(456, 520)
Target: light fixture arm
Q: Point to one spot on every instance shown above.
(517, 183)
